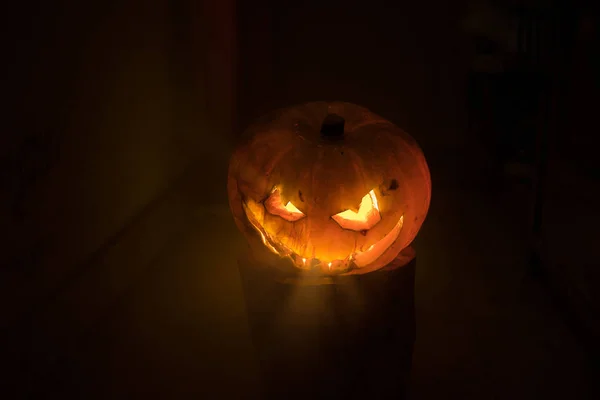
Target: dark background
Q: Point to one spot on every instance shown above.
(117, 267)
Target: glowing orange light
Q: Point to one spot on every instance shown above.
(292, 208)
(265, 241)
(256, 225)
(374, 200)
(274, 205)
(376, 250)
(255, 213)
(365, 218)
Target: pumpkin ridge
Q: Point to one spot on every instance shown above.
(288, 152)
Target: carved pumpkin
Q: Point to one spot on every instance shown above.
(328, 187)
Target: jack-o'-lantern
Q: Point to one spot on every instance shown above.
(329, 188)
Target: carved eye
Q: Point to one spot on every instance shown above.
(365, 218)
(289, 212)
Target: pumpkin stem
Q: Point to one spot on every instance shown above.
(333, 127)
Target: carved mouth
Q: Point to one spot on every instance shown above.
(357, 259)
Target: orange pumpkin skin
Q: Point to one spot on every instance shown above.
(321, 177)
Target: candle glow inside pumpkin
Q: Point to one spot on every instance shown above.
(346, 202)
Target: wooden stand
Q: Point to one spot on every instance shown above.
(333, 337)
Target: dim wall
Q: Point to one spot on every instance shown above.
(112, 102)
